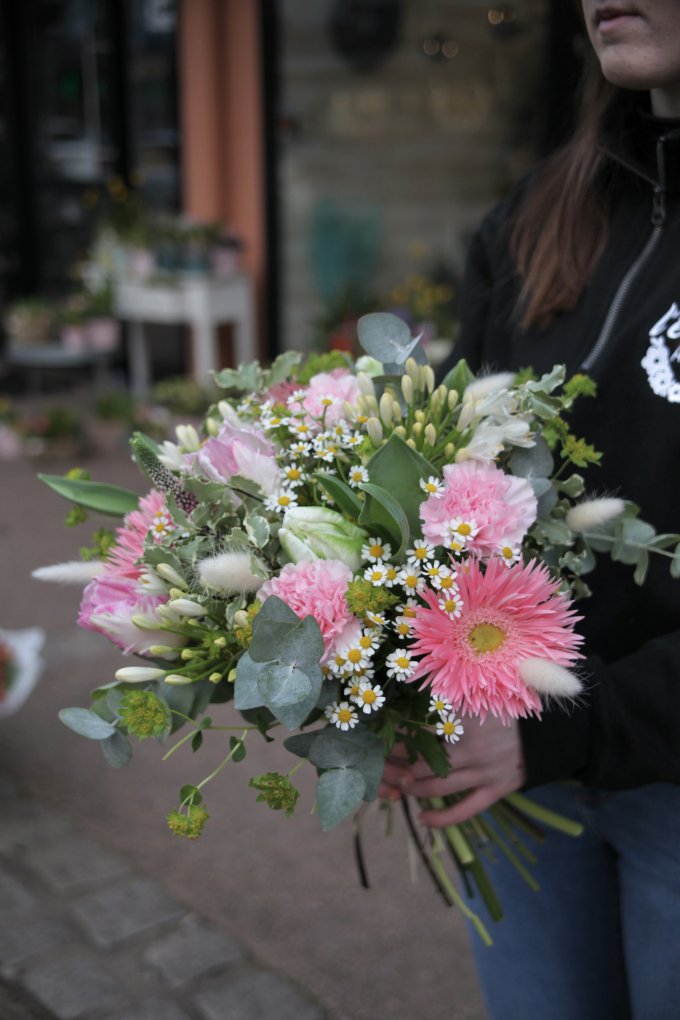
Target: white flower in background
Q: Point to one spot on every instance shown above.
(188, 438)
(20, 666)
(300, 449)
(411, 578)
(357, 475)
(376, 574)
(294, 476)
(490, 438)
(451, 604)
(510, 553)
(369, 366)
(72, 572)
(421, 552)
(170, 455)
(445, 580)
(281, 501)
(592, 513)
(488, 385)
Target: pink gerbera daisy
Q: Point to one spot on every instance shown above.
(501, 506)
(130, 538)
(510, 615)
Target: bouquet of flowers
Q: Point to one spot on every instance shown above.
(356, 556)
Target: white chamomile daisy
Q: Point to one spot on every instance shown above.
(409, 609)
(376, 574)
(461, 531)
(445, 580)
(300, 448)
(281, 501)
(421, 552)
(432, 485)
(399, 664)
(352, 439)
(294, 476)
(411, 579)
(451, 604)
(450, 728)
(509, 553)
(433, 571)
(375, 549)
(376, 619)
(370, 697)
(357, 475)
(391, 575)
(162, 525)
(273, 421)
(296, 398)
(369, 641)
(403, 626)
(440, 705)
(343, 715)
(357, 658)
(352, 688)
(301, 428)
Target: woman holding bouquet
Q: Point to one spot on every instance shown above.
(580, 265)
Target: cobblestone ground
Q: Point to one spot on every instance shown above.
(107, 916)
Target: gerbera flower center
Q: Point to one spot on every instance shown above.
(486, 637)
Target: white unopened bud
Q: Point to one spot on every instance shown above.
(212, 426)
(241, 618)
(178, 680)
(411, 367)
(386, 402)
(374, 431)
(401, 431)
(185, 607)
(428, 377)
(449, 451)
(170, 575)
(430, 434)
(452, 399)
(417, 428)
(365, 384)
(138, 674)
(594, 512)
(407, 388)
(411, 443)
(549, 678)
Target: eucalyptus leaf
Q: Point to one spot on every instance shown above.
(247, 693)
(641, 567)
(282, 684)
(339, 792)
(301, 743)
(533, 461)
(359, 749)
(574, 486)
(117, 750)
(675, 563)
(547, 502)
(386, 337)
(245, 377)
(86, 723)
(273, 622)
(105, 499)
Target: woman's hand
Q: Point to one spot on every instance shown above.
(487, 761)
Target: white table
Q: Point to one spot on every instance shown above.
(202, 302)
(43, 357)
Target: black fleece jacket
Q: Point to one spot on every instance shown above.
(625, 331)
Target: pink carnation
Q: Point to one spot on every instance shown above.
(508, 615)
(108, 605)
(238, 451)
(501, 506)
(130, 538)
(340, 385)
(316, 589)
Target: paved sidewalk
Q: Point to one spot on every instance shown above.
(85, 935)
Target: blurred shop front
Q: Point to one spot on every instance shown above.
(350, 146)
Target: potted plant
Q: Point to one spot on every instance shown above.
(30, 322)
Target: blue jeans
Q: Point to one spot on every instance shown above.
(601, 940)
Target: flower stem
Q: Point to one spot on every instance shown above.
(225, 761)
(544, 814)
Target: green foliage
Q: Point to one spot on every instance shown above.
(316, 363)
(580, 385)
(398, 469)
(362, 597)
(87, 723)
(341, 494)
(387, 338)
(579, 452)
(102, 541)
(382, 512)
(339, 792)
(190, 824)
(105, 499)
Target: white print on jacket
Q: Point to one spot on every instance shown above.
(662, 353)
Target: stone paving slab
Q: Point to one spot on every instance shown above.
(124, 910)
(125, 950)
(193, 950)
(258, 995)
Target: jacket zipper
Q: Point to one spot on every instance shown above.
(658, 221)
(619, 298)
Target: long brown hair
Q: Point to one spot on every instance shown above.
(561, 228)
